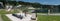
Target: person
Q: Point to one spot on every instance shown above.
(25, 11)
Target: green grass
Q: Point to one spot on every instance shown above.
(5, 12)
(42, 18)
(5, 18)
(48, 18)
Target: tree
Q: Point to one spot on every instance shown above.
(3, 1)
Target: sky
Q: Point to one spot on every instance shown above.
(49, 2)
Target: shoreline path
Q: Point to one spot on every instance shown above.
(28, 18)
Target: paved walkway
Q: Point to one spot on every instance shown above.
(28, 18)
(0, 18)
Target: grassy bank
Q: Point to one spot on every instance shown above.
(3, 12)
(5, 18)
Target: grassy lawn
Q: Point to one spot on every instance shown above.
(5, 12)
(48, 18)
(5, 18)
